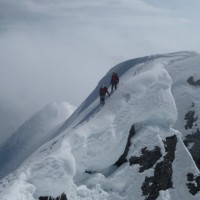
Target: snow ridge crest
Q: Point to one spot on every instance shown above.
(81, 160)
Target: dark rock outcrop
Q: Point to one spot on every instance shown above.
(148, 158)
(192, 82)
(62, 197)
(190, 119)
(194, 139)
(194, 183)
(162, 178)
(123, 158)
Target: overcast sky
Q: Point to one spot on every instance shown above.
(58, 50)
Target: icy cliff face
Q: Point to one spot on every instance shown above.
(186, 90)
(124, 150)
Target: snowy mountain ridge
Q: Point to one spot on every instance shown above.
(40, 128)
(127, 149)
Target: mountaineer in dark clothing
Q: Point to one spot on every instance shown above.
(114, 81)
(102, 93)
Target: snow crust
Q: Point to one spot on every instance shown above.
(80, 160)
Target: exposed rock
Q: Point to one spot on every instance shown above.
(190, 119)
(148, 158)
(192, 82)
(162, 178)
(123, 158)
(62, 197)
(90, 172)
(194, 183)
(194, 139)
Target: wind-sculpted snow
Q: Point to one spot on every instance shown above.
(89, 107)
(81, 162)
(186, 94)
(32, 134)
(149, 91)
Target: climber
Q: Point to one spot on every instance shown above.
(102, 93)
(114, 81)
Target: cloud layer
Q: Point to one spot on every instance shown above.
(58, 50)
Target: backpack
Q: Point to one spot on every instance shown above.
(115, 78)
(103, 90)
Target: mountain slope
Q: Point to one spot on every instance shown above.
(186, 90)
(125, 150)
(39, 129)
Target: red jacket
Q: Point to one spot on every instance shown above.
(103, 91)
(115, 78)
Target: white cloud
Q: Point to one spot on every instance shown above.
(58, 50)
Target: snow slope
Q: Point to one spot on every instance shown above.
(40, 128)
(126, 150)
